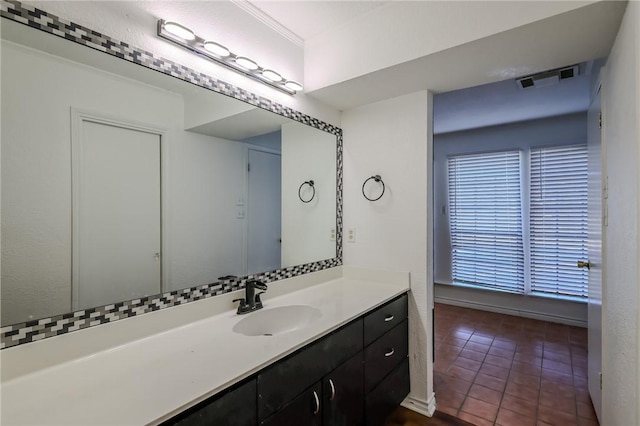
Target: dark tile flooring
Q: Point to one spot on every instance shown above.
(494, 369)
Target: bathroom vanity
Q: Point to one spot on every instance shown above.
(357, 372)
(348, 366)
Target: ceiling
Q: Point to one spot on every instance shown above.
(309, 18)
(582, 34)
(352, 53)
(505, 102)
(476, 79)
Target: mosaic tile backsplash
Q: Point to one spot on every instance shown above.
(31, 331)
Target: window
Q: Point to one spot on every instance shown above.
(488, 223)
(486, 220)
(558, 220)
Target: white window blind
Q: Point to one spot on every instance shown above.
(558, 220)
(486, 220)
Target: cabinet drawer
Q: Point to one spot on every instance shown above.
(386, 397)
(304, 410)
(234, 407)
(384, 319)
(384, 354)
(280, 383)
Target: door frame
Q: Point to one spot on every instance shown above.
(80, 116)
(594, 384)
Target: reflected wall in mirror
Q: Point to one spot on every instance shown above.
(119, 182)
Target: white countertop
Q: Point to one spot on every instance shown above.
(152, 379)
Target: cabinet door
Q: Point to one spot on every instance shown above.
(283, 381)
(343, 394)
(389, 393)
(236, 407)
(305, 410)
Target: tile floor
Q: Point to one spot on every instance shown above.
(494, 369)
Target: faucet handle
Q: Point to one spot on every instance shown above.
(257, 284)
(242, 305)
(258, 301)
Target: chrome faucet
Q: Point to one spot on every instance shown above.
(252, 301)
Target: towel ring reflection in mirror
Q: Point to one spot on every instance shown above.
(376, 178)
(313, 194)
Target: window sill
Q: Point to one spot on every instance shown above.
(533, 295)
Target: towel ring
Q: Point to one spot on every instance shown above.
(376, 178)
(311, 184)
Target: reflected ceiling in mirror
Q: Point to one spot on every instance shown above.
(210, 212)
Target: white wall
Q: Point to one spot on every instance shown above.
(391, 138)
(204, 238)
(306, 227)
(621, 286)
(566, 129)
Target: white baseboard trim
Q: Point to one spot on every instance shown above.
(426, 408)
(511, 311)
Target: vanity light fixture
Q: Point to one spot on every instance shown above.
(184, 37)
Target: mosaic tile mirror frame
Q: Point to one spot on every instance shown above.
(25, 332)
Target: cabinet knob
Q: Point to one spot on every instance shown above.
(316, 410)
(390, 353)
(388, 318)
(333, 390)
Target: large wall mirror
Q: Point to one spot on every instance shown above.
(120, 182)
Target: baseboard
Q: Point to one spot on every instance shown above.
(426, 408)
(511, 311)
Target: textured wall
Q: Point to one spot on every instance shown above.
(391, 138)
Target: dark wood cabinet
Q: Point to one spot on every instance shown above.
(387, 395)
(385, 353)
(233, 407)
(355, 376)
(336, 400)
(343, 394)
(281, 382)
(303, 410)
(384, 318)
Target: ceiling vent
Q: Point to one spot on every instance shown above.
(548, 78)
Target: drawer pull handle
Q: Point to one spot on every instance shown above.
(317, 402)
(388, 318)
(391, 352)
(333, 390)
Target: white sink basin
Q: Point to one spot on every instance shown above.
(269, 322)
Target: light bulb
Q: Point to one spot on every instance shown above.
(216, 49)
(272, 76)
(293, 85)
(246, 63)
(179, 30)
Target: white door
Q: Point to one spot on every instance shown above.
(263, 211)
(595, 253)
(117, 254)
